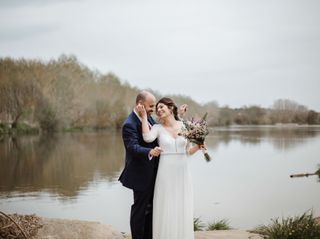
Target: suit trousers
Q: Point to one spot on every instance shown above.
(141, 214)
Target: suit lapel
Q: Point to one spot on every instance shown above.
(135, 118)
(151, 120)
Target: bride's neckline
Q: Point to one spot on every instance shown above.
(169, 133)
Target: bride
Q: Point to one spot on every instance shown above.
(173, 192)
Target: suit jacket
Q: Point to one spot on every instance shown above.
(139, 171)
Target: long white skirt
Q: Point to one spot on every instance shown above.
(173, 199)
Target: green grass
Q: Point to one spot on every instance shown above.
(298, 227)
(21, 128)
(218, 225)
(4, 128)
(198, 225)
(26, 129)
(74, 129)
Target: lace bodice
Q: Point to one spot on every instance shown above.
(166, 141)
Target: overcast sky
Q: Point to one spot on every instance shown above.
(237, 52)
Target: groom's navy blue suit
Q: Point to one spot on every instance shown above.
(139, 175)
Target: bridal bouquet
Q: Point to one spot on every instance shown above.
(196, 131)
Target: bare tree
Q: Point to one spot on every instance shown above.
(19, 92)
(288, 111)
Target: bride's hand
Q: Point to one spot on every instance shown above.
(203, 146)
(182, 110)
(141, 111)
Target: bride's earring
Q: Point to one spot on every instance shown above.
(171, 111)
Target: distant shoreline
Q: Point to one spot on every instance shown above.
(31, 130)
(272, 126)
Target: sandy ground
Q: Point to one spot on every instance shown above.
(76, 229)
(229, 234)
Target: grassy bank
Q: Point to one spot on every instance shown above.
(305, 226)
(21, 128)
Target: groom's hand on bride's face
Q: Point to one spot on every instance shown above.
(141, 110)
(155, 152)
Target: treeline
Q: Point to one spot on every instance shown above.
(61, 94)
(283, 111)
(65, 94)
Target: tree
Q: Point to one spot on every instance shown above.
(212, 108)
(288, 111)
(226, 116)
(19, 92)
(313, 117)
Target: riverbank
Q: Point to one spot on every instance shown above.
(25, 128)
(49, 228)
(65, 229)
(18, 226)
(21, 128)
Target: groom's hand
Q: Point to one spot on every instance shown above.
(141, 110)
(155, 152)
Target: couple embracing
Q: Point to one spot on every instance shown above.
(156, 169)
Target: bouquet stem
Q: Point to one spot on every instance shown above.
(206, 155)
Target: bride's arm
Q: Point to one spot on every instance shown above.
(145, 125)
(149, 135)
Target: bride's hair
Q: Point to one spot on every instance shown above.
(171, 105)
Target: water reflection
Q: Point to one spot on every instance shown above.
(62, 164)
(282, 138)
(65, 164)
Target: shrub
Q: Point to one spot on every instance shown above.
(219, 225)
(299, 227)
(198, 225)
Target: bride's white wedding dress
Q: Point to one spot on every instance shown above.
(173, 192)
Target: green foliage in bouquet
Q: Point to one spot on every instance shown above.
(196, 131)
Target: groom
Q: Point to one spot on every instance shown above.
(140, 169)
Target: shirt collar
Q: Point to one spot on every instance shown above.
(134, 110)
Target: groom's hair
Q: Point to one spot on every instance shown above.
(142, 96)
